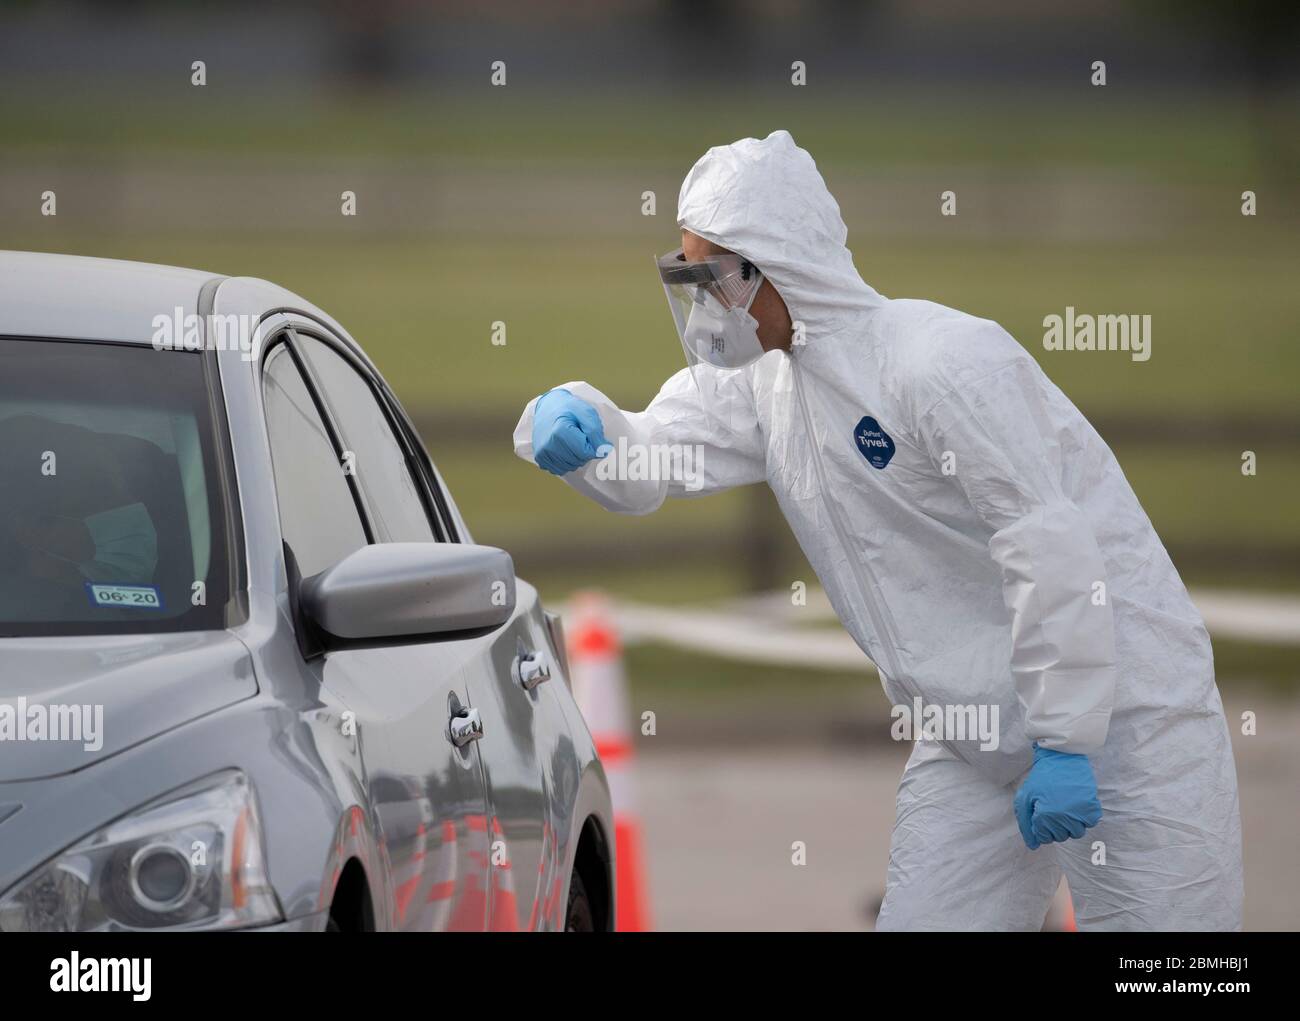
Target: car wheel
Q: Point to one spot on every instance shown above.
(579, 917)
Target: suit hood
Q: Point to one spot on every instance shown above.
(766, 200)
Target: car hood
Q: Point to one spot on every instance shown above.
(102, 694)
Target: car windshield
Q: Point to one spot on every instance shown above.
(112, 513)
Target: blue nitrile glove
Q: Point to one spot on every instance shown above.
(566, 432)
(1058, 799)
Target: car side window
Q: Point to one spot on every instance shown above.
(392, 496)
(318, 514)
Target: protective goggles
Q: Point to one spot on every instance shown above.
(732, 280)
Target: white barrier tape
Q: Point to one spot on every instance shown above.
(1269, 617)
(761, 629)
(738, 636)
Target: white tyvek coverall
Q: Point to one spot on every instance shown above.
(966, 586)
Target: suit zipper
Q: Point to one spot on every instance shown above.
(864, 590)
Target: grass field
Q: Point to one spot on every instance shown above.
(1225, 315)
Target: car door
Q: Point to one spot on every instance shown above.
(403, 501)
(527, 871)
(426, 793)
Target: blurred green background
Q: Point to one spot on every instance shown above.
(523, 204)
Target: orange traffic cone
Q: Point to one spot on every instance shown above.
(1060, 915)
(600, 689)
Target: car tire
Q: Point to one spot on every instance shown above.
(579, 917)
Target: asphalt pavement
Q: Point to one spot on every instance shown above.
(721, 824)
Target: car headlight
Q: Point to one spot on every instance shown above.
(190, 859)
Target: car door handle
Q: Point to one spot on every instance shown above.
(531, 669)
(465, 726)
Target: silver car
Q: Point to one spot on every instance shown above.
(253, 670)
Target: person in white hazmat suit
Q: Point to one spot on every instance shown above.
(976, 537)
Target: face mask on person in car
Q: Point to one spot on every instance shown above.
(126, 546)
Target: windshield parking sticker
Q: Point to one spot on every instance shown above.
(130, 597)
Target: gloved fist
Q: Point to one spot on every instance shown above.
(566, 432)
(1058, 799)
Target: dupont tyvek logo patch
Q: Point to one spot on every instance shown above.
(874, 442)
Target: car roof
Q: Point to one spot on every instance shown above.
(79, 298)
(44, 295)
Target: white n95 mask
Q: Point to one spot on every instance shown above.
(723, 337)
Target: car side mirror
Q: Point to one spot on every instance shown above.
(410, 590)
